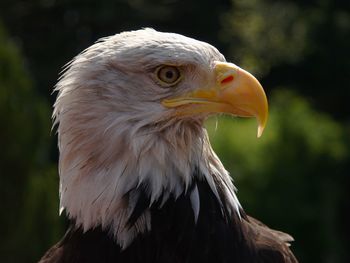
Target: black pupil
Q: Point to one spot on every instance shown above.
(169, 74)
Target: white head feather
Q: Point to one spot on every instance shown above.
(114, 134)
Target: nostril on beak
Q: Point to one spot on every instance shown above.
(226, 80)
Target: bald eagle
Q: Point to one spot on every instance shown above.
(139, 181)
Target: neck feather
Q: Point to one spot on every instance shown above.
(100, 174)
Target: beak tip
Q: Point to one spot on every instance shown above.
(261, 126)
(260, 131)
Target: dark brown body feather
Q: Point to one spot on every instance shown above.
(175, 237)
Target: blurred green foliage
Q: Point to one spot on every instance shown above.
(295, 178)
(28, 178)
(260, 26)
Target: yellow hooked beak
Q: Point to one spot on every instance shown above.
(235, 91)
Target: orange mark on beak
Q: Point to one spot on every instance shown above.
(227, 79)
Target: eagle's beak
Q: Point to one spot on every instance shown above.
(235, 92)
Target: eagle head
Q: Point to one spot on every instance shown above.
(130, 112)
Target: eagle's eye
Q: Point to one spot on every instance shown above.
(168, 75)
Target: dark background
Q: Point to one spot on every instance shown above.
(296, 178)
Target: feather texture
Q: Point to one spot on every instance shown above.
(175, 236)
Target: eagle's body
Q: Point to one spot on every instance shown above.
(139, 180)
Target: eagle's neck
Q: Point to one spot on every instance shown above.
(101, 176)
